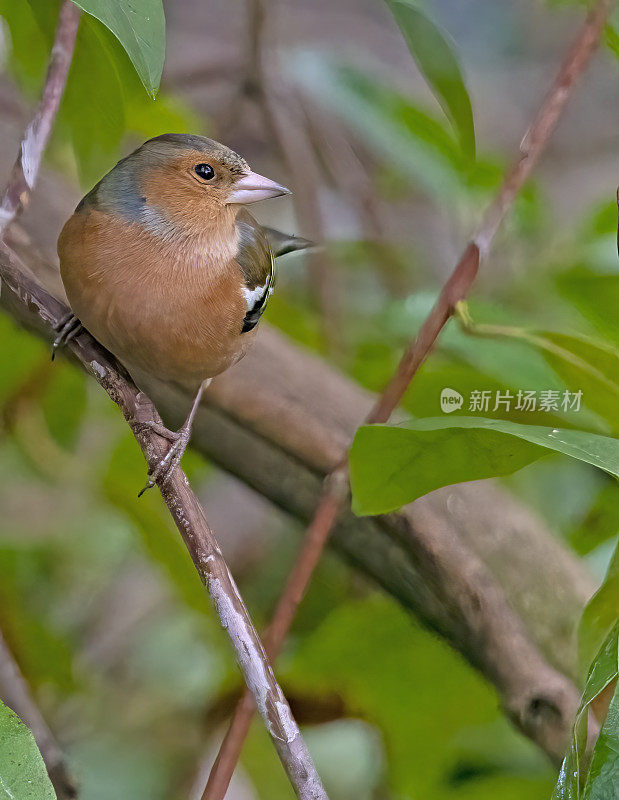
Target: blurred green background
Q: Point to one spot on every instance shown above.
(98, 598)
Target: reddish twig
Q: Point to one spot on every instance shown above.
(455, 289)
(26, 167)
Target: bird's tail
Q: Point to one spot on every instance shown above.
(282, 243)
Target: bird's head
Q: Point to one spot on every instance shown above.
(183, 175)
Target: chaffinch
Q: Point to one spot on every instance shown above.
(163, 265)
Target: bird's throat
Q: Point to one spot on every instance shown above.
(191, 235)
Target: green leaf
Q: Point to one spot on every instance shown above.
(600, 614)
(507, 359)
(20, 354)
(603, 669)
(64, 403)
(94, 84)
(22, 772)
(29, 51)
(433, 51)
(588, 366)
(604, 764)
(394, 465)
(612, 34)
(601, 522)
(603, 777)
(406, 682)
(42, 648)
(596, 297)
(139, 25)
(103, 80)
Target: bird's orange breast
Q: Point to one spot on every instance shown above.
(172, 308)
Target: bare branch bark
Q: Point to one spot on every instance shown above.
(296, 428)
(281, 420)
(191, 522)
(182, 503)
(13, 686)
(456, 288)
(15, 693)
(26, 168)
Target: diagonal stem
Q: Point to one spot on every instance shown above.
(25, 170)
(139, 411)
(27, 298)
(13, 686)
(455, 289)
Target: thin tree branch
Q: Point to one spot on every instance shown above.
(296, 428)
(468, 561)
(454, 290)
(139, 411)
(190, 520)
(15, 693)
(13, 686)
(23, 177)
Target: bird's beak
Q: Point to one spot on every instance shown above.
(253, 187)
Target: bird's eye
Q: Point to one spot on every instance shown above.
(205, 171)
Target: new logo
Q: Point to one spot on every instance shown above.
(450, 400)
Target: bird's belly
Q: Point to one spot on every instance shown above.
(182, 336)
(165, 309)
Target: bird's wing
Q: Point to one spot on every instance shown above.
(255, 258)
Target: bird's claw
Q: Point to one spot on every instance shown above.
(68, 327)
(161, 430)
(164, 469)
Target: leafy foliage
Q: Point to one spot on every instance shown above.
(98, 597)
(596, 297)
(102, 79)
(22, 772)
(393, 465)
(433, 52)
(600, 614)
(139, 26)
(405, 682)
(601, 778)
(397, 128)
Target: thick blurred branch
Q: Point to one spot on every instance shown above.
(282, 419)
(454, 290)
(140, 413)
(21, 183)
(191, 522)
(15, 693)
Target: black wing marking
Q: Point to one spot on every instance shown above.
(260, 302)
(255, 259)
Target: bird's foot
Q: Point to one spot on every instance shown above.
(161, 430)
(68, 327)
(164, 469)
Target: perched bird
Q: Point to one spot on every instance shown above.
(163, 265)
